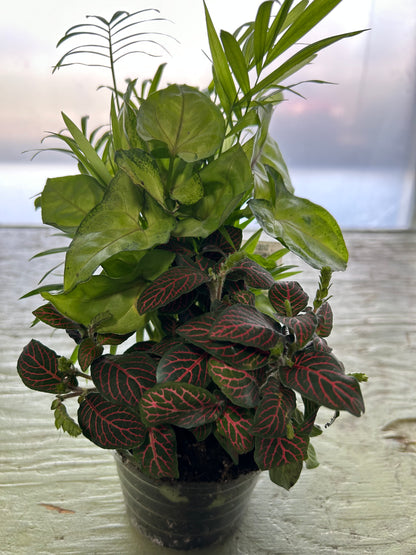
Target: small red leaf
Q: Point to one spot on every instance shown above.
(172, 284)
(157, 455)
(197, 331)
(303, 326)
(273, 452)
(112, 338)
(48, 314)
(217, 241)
(318, 376)
(284, 293)
(184, 363)
(274, 410)
(253, 274)
(239, 386)
(88, 351)
(325, 320)
(122, 379)
(37, 367)
(247, 326)
(181, 404)
(108, 425)
(236, 425)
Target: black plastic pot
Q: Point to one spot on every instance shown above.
(183, 515)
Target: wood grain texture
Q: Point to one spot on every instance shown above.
(62, 495)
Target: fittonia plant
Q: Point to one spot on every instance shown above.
(225, 346)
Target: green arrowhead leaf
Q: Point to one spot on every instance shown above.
(127, 219)
(98, 295)
(67, 200)
(305, 228)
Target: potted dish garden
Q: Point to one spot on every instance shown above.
(198, 361)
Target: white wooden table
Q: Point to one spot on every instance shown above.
(62, 495)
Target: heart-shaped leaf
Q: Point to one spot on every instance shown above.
(273, 452)
(185, 119)
(305, 228)
(319, 376)
(184, 363)
(172, 284)
(288, 298)
(109, 426)
(181, 404)
(99, 295)
(245, 325)
(274, 410)
(67, 200)
(236, 425)
(239, 386)
(122, 379)
(37, 367)
(127, 219)
(157, 455)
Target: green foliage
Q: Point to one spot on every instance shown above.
(154, 220)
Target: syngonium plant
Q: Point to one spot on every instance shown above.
(221, 343)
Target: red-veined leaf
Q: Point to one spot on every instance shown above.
(157, 455)
(202, 432)
(181, 404)
(325, 320)
(245, 325)
(303, 326)
(197, 331)
(169, 286)
(274, 410)
(184, 363)
(112, 338)
(122, 379)
(318, 376)
(320, 344)
(273, 452)
(163, 346)
(253, 274)
(180, 304)
(108, 425)
(48, 314)
(239, 386)
(219, 240)
(243, 297)
(288, 298)
(236, 425)
(88, 351)
(37, 367)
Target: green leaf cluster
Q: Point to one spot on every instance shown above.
(154, 220)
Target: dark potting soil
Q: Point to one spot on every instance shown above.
(206, 461)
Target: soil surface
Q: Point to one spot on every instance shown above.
(206, 461)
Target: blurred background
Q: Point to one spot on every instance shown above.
(350, 146)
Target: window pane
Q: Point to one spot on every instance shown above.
(350, 147)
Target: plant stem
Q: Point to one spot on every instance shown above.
(113, 74)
